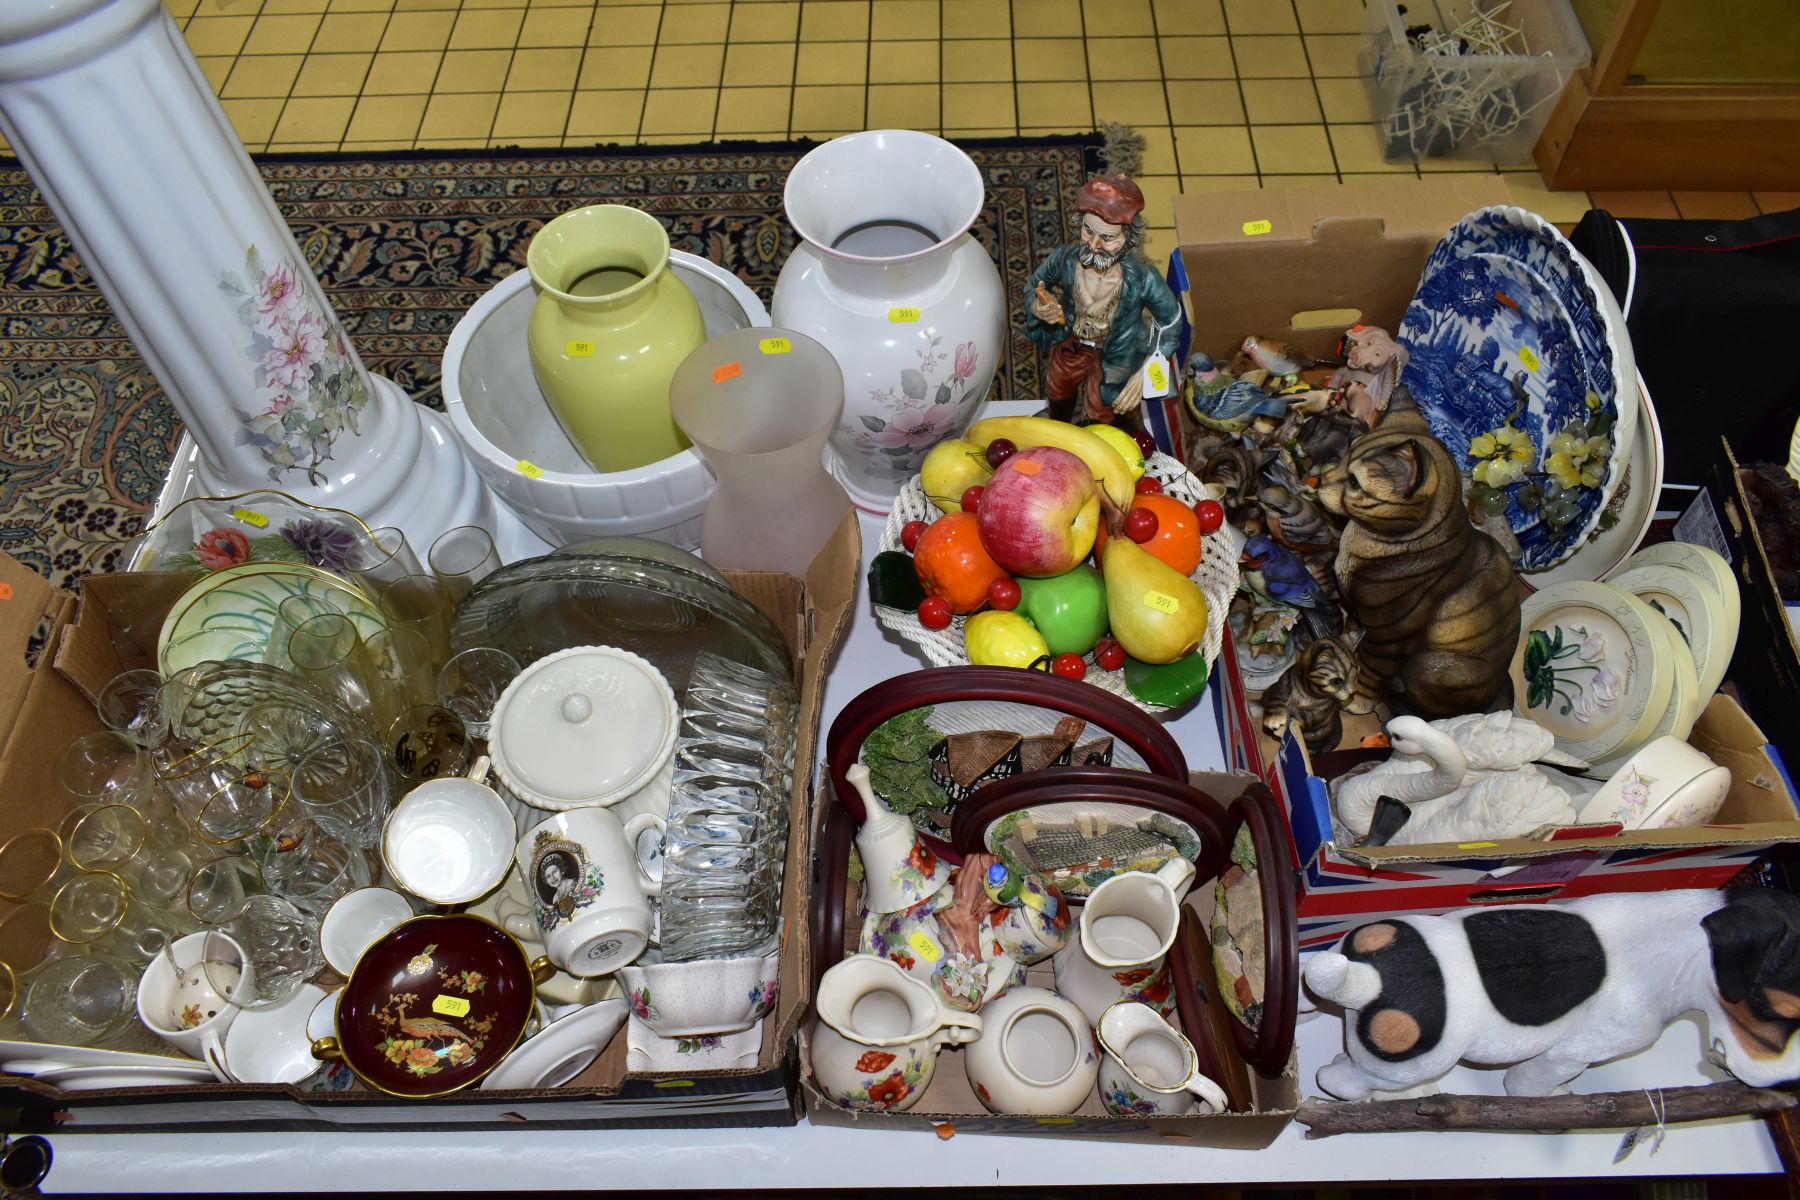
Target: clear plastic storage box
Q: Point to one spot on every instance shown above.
(1476, 79)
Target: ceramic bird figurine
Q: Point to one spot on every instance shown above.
(1276, 575)
(1294, 520)
(1278, 358)
(1220, 402)
(1465, 777)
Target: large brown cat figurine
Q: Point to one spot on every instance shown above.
(1435, 596)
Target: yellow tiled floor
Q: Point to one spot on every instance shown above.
(1228, 93)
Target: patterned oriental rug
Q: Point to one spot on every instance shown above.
(403, 244)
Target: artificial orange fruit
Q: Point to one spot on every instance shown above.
(1177, 537)
(953, 564)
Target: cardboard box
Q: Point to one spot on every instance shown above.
(45, 701)
(949, 1102)
(1301, 265)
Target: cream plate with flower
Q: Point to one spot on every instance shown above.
(1694, 609)
(1592, 668)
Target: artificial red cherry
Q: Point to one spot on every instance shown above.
(999, 450)
(1003, 594)
(972, 497)
(1147, 486)
(1211, 514)
(1140, 525)
(910, 533)
(1069, 666)
(934, 612)
(1145, 442)
(1109, 655)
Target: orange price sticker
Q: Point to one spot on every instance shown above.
(450, 1006)
(730, 370)
(1027, 466)
(5, 591)
(1161, 602)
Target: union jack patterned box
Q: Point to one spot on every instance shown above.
(1342, 888)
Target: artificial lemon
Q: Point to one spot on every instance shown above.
(1003, 639)
(1125, 444)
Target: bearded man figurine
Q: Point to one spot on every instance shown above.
(1102, 311)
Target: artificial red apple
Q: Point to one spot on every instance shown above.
(1039, 512)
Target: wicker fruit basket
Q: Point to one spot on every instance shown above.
(1217, 577)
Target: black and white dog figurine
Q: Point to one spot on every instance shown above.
(1555, 988)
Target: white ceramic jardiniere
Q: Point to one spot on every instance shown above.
(1149, 1068)
(889, 280)
(876, 1042)
(1037, 1055)
(1127, 927)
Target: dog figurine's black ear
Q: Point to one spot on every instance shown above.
(1743, 934)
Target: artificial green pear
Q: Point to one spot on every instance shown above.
(1068, 609)
(1158, 614)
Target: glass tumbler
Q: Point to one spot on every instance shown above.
(332, 869)
(327, 652)
(759, 404)
(81, 1000)
(105, 766)
(220, 887)
(343, 785)
(382, 555)
(462, 558)
(402, 672)
(26, 940)
(96, 912)
(422, 603)
(470, 684)
(31, 865)
(427, 742)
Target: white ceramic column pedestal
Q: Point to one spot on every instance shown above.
(106, 107)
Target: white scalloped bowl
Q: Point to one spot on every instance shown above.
(501, 417)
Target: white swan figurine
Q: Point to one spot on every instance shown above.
(1465, 777)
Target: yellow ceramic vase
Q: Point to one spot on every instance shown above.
(611, 324)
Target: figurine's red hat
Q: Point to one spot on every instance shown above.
(1112, 198)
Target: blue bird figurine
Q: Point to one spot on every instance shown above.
(1275, 574)
(1218, 401)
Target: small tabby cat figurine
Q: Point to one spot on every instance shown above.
(1435, 596)
(1308, 695)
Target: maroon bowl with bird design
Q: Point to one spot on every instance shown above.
(434, 1005)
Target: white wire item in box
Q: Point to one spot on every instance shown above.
(1217, 577)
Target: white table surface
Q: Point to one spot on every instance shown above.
(809, 1156)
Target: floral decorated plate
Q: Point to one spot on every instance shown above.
(235, 608)
(1592, 669)
(1518, 360)
(1693, 608)
(434, 1005)
(1713, 572)
(1685, 698)
(1631, 509)
(1217, 576)
(203, 534)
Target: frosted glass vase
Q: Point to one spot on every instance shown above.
(759, 404)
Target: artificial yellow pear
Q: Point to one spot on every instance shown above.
(1158, 614)
(952, 467)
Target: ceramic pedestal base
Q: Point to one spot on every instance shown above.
(441, 490)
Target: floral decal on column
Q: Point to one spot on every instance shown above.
(308, 388)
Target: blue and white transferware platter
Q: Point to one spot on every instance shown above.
(1512, 328)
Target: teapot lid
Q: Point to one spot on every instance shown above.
(587, 725)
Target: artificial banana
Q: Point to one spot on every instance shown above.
(1110, 470)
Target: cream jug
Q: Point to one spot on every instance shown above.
(876, 1042)
(1150, 1069)
(1127, 927)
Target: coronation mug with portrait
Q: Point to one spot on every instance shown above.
(590, 893)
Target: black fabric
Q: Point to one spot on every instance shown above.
(1411, 983)
(1535, 963)
(1714, 320)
